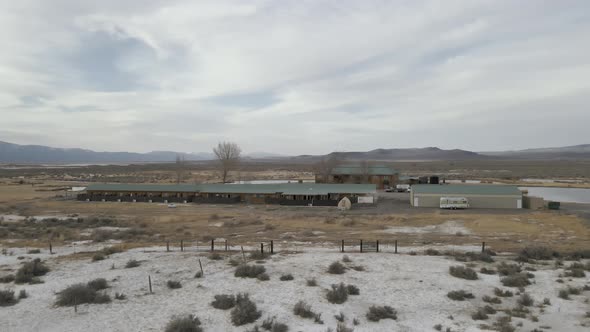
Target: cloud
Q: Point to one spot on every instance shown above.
(294, 77)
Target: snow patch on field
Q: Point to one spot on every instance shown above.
(416, 286)
(448, 227)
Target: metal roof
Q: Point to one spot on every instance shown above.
(282, 188)
(359, 170)
(466, 189)
(142, 187)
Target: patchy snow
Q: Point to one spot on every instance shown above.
(416, 286)
(448, 227)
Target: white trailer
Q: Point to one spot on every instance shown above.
(454, 203)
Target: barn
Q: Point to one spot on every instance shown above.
(479, 196)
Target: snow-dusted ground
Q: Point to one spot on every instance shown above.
(416, 286)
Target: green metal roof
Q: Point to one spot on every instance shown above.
(142, 187)
(359, 170)
(283, 188)
(327, 188)
(466, 189)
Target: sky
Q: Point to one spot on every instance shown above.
(295, 77)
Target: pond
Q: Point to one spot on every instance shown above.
(570, 195)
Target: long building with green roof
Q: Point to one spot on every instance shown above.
(276, 193)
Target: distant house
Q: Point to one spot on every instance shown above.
(379, 175)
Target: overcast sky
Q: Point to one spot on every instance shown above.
(295, 77)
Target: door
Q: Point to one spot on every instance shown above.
(416, 201)
(519, 204)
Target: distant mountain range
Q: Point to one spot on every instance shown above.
(431, 153)
(14, 153)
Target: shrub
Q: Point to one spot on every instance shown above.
(493, 300)
(311, 282)
(336, 268)
(480, 314)
(575, 273)
(263, 277)
(245, 311)
(234, 262)
(173, 284)
(432, 252)
(564, 294)
(286, 277)
(30, 270)
(120, 296)
(480, 256)
(132, 263)
(97, 257)
(22, 294)
(489, 310)
(358, 268)
(546, 301)
(377, 313)
(525, 300)
(98, 284)
(249, 271)
(346, 259)
(460, 295)
(303, 310)
(271, 325)
(537, 253)
(78, 294)
(338, 294)
(502, 293)
(352, 290)
(34, 251)
(574, 290)
(224, 302)
(188, 323)
(487, 271)
(507, 269)
(215, 256)
(199, 274)
(518, 311)
(7, 278)
(463, 272)
(516, 280)
(7, 298)
(107, 251)
(340, 317)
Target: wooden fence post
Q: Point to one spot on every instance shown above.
(243, 254)
(225, 245)
(181, 245)
(396, 246)
(272, 247)
(212, 244)
(262, 248)
(150, 283)
(483, 247)
(201, 266)
(50, 248)
(361, 245)
(342, 248)
(167, 246)
(377, 245)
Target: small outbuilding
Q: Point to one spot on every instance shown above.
(478, 196)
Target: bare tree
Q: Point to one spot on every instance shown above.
(326, 165)
(228, 155)
(179, 167)
(365, 167)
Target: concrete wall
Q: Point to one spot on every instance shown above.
(475, 201)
